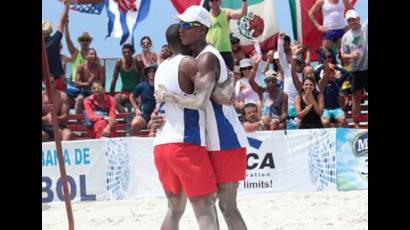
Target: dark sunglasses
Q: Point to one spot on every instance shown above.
(189, 25)
(246, 68)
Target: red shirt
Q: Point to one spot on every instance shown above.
(91, 105)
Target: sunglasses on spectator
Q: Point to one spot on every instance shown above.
(189, 25)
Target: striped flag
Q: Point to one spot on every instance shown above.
(88, 8)
(123, 17)
(259, 24)
(303, 29)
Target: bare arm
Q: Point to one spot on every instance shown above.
(318, 106)
(298, 106)
(135, 104)
(64, 17)
(313, 11)
(308, 58)
(251, 127)
(78, 81)
(281, 53)
(223, 92)
(65, 107)
(204, 82)
(237, 14)
(71, 48)
(115, 77)
(348, 5)
(284, 114)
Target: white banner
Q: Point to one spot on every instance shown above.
(123, 168)
(85, 168)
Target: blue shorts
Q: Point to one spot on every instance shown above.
(333, 35)
(333, 113)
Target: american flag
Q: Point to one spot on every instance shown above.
(88, 8)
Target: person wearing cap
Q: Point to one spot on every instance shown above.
(130, 72)
(355, 51)
(144, 106)
(87, 73)
(61, 103)
(237, 52)
(273, 57)
(218, 33)
(78, 56)
(99, 112)
(333, 21)
(279, 101)
(243, 90)
(227, 149)
(52, 43)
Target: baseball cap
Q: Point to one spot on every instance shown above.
(276, 55)
(271, 74)
(196, 13)
(351, 14)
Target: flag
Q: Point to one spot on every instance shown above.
(303, 29)
(88, 8)
(123, 17)
(260, 24)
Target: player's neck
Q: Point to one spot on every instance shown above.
(198, 47)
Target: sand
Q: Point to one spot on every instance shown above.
(275, 211)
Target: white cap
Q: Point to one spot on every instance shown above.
(246, 62)
(351, 14)
(196, 13)
(276, 55)
(271, 73)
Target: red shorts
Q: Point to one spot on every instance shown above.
(98, 128)
(229, 165)
(124, 95)
(185, 166)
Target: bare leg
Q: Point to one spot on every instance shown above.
(137, 124)
(79, 104)
(118, 100)
(205, 211)
(44, 136)
(342, 121)
(176, 207)
(357, 95)
(227, 203)
(326, 122)
(65, 134)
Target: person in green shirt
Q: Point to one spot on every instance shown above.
(130, 70)
(218, 33)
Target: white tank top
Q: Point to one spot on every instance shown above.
(182, 125)
(223, 129)
(333, 15)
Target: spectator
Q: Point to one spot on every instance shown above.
(78, 56)
(273, 57)
(237, 52)
(53, 47)
(62, 106)
(86, 75)
(147, 57)
(129, 70)
(64, 59)
(218, 33)
(331, 92)
(355, 51)
(278, 98)
(333, 20)
(237, 73)
(165, 53)
(299, 68)
(243, 90)
(309, 105)
(285, 54)
(146, 103)
(99, 112)
(252, 119)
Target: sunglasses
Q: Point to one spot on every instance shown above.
(84, 40)
(189, 25)
(246, 68)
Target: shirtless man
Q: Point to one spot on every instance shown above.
(61, 103)
(86, 75)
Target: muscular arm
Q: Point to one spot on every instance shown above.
(204, 82)
(115, 76)
(237, 14)
(223, 92)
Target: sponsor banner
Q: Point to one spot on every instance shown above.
(85, 167)
(352, 159)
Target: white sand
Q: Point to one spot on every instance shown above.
(275, 211)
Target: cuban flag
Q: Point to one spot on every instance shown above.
(123, 17)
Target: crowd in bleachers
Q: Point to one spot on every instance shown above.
(274, 90)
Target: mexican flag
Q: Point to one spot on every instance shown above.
(303, 29)
(260, 24)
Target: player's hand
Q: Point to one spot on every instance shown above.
(163, 95)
